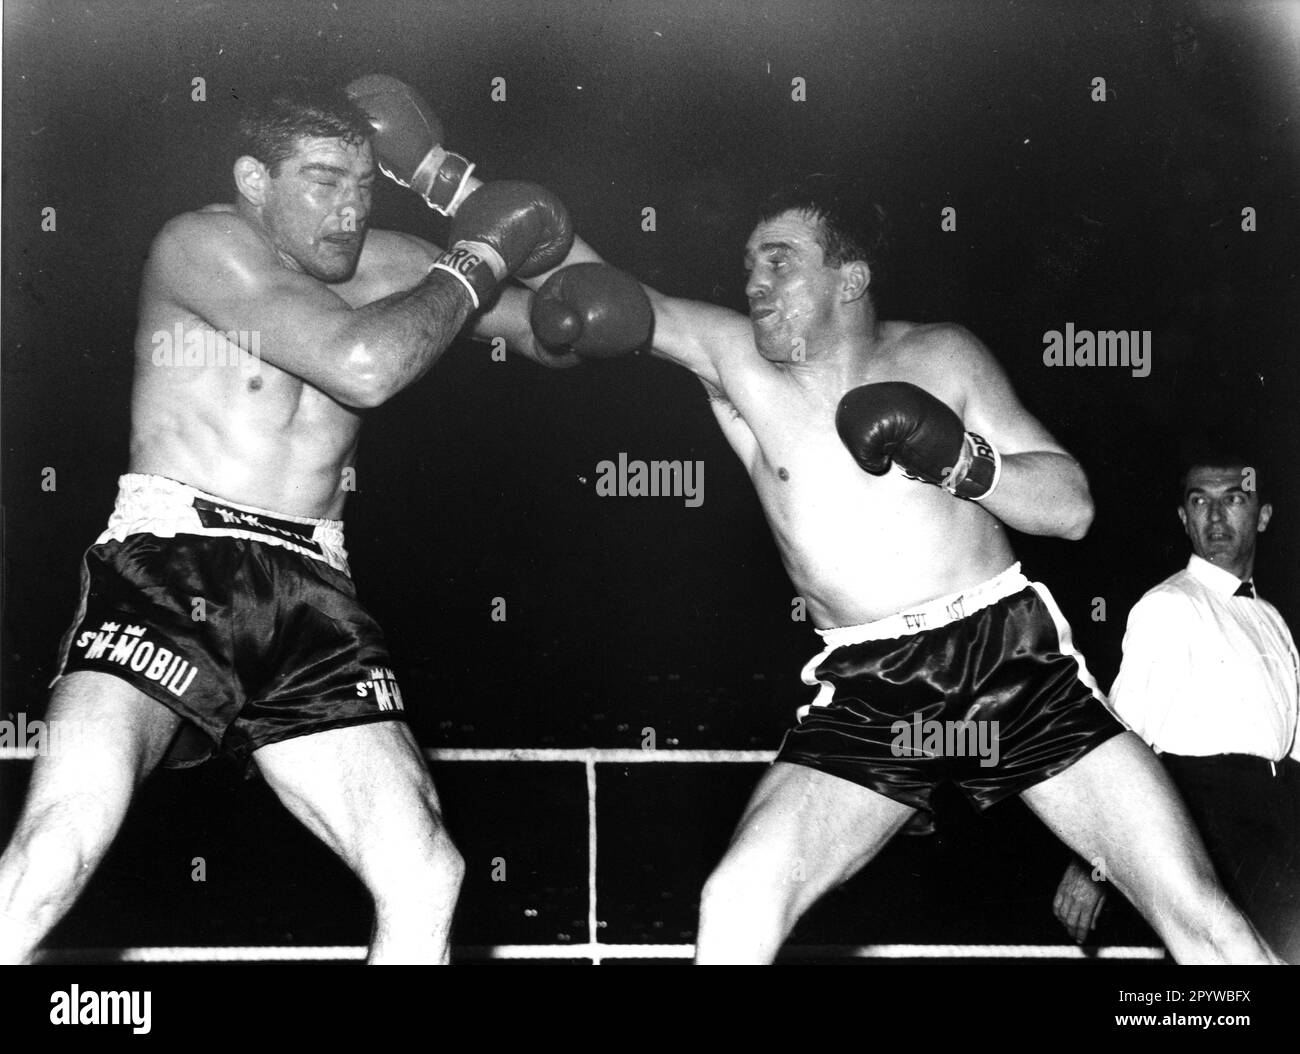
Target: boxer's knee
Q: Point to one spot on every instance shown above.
(444, 870)
(1196, 917)
(1190, 900)
(49, 859)
(421, 874)
(748, 907)
(756, 886)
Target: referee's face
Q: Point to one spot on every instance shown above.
(1222, 517)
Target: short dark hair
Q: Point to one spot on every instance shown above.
(1221, 457)
(270, 127)
(850, 226)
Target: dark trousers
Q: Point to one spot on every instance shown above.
(1250, 821)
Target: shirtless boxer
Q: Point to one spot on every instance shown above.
(217, 609)
(915, 591)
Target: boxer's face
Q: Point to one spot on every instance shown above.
(317, 206)
(1222, 518)
(792, 293)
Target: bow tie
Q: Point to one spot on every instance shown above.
(1246, 589)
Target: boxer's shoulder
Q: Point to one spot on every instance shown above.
(204, 223)
(946, 341)
(945, 358)
(210, 238)
(185, 256)
(390, 262)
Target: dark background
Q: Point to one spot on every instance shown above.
(479, 481)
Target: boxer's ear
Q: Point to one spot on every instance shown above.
(856, 277)
(251, 178)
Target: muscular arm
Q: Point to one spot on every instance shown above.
(214, 265)
(692, 334)
(395, 262)
(1042, 490)
(508, 317)
(701, 337)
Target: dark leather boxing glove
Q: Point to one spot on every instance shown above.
(408, 142)
(593, 309)
(896, 421)
(506, 228)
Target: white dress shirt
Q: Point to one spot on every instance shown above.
(1206, 672)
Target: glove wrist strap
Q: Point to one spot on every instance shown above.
(978, 470)
(476, 265)
(441, 179)
(466, 188)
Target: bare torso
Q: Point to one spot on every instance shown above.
(857, 547)
(233, 424)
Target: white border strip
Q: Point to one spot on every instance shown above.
(601, 756)
(598, 755)
(597, 952)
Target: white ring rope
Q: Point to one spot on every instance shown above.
(595, 951)
(601, 756)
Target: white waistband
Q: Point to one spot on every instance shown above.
(164, 507)
(933, 614)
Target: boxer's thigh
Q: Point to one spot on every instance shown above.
(1117, 808)
(103, 737)
(805, 831)
(365, 791)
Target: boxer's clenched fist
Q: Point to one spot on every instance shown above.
(408, 142)
(593, 309)
(896, 421)
(506, 228)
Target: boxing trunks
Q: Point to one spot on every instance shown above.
(981, 687)
(242, 621)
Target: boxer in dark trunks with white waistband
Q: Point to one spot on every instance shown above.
(217, 609)
(942, 662)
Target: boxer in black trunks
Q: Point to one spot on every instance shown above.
(908, 573)
(217, 610)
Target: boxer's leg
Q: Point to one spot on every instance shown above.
(110, 736)
(1118, 804)
(365, 792)
(803, 833)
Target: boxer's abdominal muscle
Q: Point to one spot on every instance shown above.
(264, 438)
(857, 547)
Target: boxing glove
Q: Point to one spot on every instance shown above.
(506, 228)
(408, 142)
(896, 421)
(593, 309)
